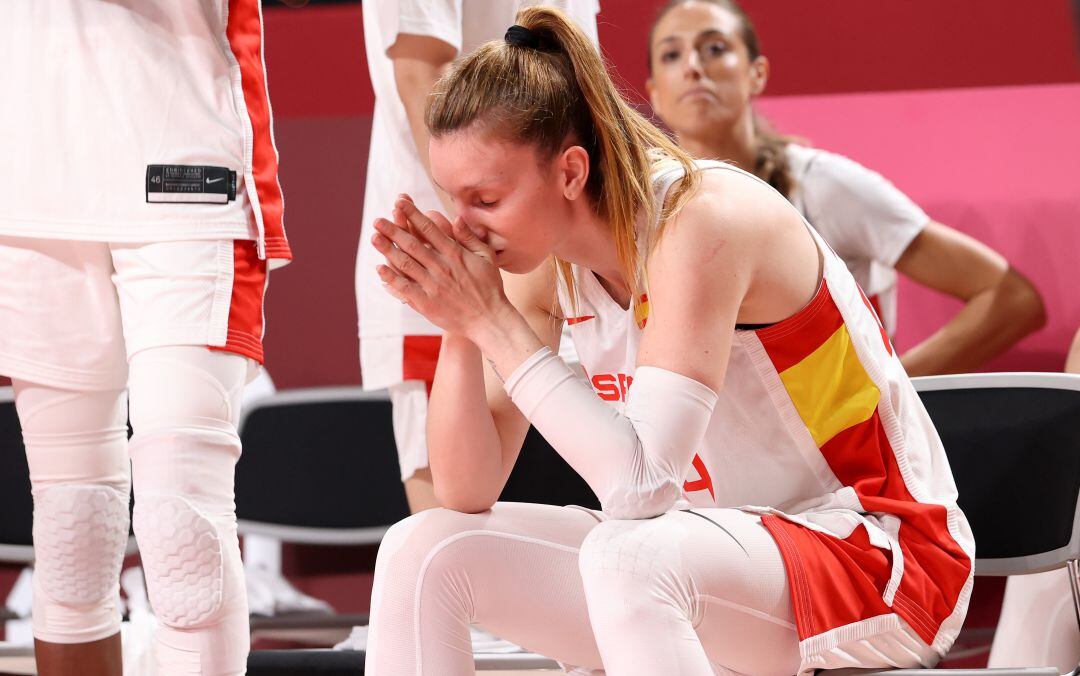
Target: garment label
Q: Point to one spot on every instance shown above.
(189, 184)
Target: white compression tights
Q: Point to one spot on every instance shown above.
(185, 404)
(685, 594)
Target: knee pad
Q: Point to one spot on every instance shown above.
(80, 535)
(76, 448)
(185, 403)
(182, 554)
(632, 551)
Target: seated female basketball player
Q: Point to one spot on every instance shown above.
(775, 499)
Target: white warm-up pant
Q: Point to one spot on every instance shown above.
(184, 407)
(176, 328)
(682, 594)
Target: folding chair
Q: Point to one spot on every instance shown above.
(1013, 441)
(318, 467)
(16, 505)
(16, 513)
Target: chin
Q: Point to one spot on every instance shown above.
(516, 265)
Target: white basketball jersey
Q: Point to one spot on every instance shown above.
(818, 429)
(137, 121)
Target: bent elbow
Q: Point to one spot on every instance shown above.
(642, 500)
(466, 502)
(1025, 302)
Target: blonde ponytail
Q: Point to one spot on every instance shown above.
(543, 94)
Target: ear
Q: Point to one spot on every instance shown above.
(759, 75)
(654, 101)
(574, 170)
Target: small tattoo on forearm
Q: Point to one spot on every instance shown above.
(495, 370)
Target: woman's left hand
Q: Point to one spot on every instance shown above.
(442, 270)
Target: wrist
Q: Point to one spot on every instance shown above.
(493, 328)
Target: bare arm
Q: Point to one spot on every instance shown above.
(711, 260)
(474, 431)
(1001, 305)
(419, 61)
(1072, 362)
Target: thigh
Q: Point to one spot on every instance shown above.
(205, 293)
(60, 315)
(73, 437)
(744, 614)
(513, 570)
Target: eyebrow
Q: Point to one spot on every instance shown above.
(464, 188)
(708, 33)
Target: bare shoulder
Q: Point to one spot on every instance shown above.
(533, 292)
(730, 216)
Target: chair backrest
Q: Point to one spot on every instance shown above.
(1013, 442)
(319, 466)
(16, 505)
(542, 476)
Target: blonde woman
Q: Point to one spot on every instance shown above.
(775, 499)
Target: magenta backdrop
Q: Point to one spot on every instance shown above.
(984, 137)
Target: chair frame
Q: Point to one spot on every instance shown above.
(1068, 555)
(14, 553)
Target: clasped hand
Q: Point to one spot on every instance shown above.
(440, 269)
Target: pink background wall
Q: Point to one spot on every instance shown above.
(969, 106)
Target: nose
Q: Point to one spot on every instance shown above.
(473, 224)
(692, 66)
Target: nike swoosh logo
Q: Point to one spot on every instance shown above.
(214, 180)
(577, 320)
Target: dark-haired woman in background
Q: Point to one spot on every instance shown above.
(706, 68)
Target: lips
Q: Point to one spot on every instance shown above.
(698, 93)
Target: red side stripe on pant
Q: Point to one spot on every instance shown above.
(246, 305)
(419, 357)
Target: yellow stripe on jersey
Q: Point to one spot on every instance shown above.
(830, 388)
(641, 311)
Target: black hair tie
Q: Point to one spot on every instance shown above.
(521, 36)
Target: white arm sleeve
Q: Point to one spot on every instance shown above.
(635, 463)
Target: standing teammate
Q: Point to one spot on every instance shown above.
(409, 44)
(1038, 622)
(775, 497)
(706, 68)
(139, 213)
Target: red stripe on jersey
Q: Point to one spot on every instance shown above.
(873, 301)
(570, 321)
(833, 582)
(875, 307)
(245, 331)
(935, 567)
(244, 32)
(420, 355)
(793, 339)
